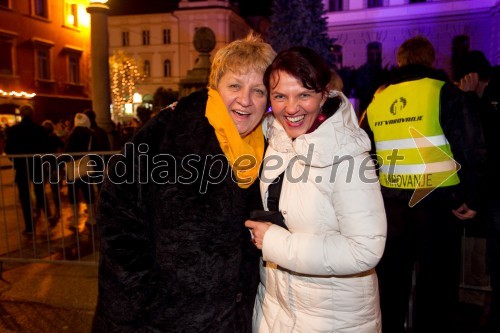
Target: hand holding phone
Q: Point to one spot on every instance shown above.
(275, 217)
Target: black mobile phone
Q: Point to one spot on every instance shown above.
(272, 216)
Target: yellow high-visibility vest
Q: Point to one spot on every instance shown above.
(412, 150)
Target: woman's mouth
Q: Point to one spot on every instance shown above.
(241, 113)
(295, 120)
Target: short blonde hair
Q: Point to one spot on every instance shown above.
(336, 82)
(241, 55)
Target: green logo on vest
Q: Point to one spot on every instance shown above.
(398, 105)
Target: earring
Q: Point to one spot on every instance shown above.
(333, 93)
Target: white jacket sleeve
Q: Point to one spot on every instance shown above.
(355, 248)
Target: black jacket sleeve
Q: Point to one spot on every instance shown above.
(461, 125)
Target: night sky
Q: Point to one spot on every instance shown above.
(127, 7)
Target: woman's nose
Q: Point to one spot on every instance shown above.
(245, 98)
(292, 107)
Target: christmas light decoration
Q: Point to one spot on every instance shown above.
(17, 94)
(124, 75)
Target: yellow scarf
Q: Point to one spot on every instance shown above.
(244, 154)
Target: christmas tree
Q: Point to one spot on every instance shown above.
(300, 23)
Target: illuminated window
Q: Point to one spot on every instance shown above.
(167, 68)
(145, 37)
(71, 10)
(6, 58)
(40, 8)
(147, 68)
(125, 38)
(166, 36)
(336, 5)
(129, 108)
(136, 98)
(43, 63)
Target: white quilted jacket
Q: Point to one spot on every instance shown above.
(319, 275)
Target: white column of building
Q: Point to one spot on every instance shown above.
(101, 94)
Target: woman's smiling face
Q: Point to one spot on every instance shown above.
(245, 97)
(294, 106)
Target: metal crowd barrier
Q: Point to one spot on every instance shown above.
(61, 232)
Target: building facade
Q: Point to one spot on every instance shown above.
(162, 43)
(45, 53)
(371, 29)
(45, 44)
(44, 58)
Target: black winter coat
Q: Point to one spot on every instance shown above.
(175, 255)
(79, 141)
(27, 137)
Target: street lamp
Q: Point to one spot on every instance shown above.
(101, 96)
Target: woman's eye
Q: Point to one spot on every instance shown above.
(234, 86)
(277, 97)
(260, 92)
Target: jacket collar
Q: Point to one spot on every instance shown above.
(416, 72)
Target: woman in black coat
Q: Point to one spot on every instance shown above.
(175, 255)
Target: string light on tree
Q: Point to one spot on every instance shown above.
(124, 74)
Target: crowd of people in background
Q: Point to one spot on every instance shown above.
(123, 131)
(49, 140)
(64, 136)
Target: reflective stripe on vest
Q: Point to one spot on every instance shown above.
(412, 150)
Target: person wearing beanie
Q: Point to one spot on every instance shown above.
(82, 120)
(79, 143)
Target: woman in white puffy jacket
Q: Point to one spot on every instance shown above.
(318, 269)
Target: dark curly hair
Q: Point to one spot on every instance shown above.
(302, 63)
(308, 67)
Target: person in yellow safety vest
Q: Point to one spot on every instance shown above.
(430, 154)
(411, 129)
